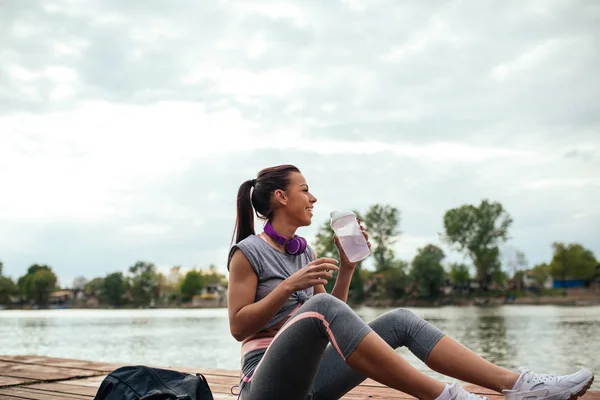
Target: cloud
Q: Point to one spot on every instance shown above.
(126, 128)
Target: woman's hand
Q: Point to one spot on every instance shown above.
(314, 273)
(344, 262)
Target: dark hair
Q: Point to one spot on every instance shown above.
(266, 183)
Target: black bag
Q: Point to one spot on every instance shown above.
(145, 383)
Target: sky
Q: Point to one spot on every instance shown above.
(126, 128)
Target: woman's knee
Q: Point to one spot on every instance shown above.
(401, 315)
(325, 303)
(405, 314)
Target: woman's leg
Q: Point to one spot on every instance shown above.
(290, 365)
(451, 358)
(440, 352)
(402, 327)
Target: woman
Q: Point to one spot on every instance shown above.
(299, 342)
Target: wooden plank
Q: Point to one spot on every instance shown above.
(61, 362)
(41, 372)
(30, 368)
(59, 387)
(11, 381)
(27, 393)
(93, 381)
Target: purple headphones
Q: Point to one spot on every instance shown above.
(293, 246)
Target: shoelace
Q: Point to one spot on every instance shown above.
(465, 395)
(543, 377)
(473, 396)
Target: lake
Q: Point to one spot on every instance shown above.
(545, 338)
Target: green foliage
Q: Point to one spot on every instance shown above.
(324, 244)
(8, 288)
(356, 290)
(213, 277)
(114, 289)
(572, 261)
(37, 284)
(95, 287)
(192, 284)
(459, 274)
(144, 283)
(382, 224)
(499, 277)
(395, 279)
(478, 231)
(427, 271)
(540, 274)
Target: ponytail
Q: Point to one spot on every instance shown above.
(268, 180)
(244, 223)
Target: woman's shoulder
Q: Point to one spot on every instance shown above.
(251, 242)
(249, 246)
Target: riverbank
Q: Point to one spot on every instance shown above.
(574, 297)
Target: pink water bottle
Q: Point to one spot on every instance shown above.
(347, 229)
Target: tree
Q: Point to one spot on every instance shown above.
(395, 279)
(515, 263)
(170, 285)
(572, 261)
(1, 268)
(8, 288)
(95, 287)
(427, 271)
(79, 283)
(459, 274)
(382, 223)
(324, 244)
(114, 289)
(192, 284)
(37, 284)
(213, 277)
(540, 274)
(479, 231)
(144, 283)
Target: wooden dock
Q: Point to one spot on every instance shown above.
(46, 378)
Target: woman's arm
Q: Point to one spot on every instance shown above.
(342, 283)
(245, 316)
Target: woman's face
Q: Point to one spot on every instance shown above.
(298, 201)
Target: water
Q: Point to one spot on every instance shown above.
(545, 338)
(355, 247)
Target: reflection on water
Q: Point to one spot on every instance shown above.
(544, 338)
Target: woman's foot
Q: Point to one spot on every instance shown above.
(457, 392)
(533, 386)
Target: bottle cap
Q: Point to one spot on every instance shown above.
(335, 214)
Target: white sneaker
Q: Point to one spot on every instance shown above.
(457, 392)
(532, 386)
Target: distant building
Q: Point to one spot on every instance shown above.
(529, 282)
(569, 283)
(214, 295)
(62, 298)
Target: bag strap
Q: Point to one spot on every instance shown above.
(165, 396)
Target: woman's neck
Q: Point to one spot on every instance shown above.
(284, 229)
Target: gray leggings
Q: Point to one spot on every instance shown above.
(306, 360)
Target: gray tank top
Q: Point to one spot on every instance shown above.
(272, 267)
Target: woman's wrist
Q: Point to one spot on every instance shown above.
(348, 266)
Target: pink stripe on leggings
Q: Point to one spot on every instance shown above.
(308, 314)
(312, 314)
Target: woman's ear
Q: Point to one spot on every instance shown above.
(280, 197)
